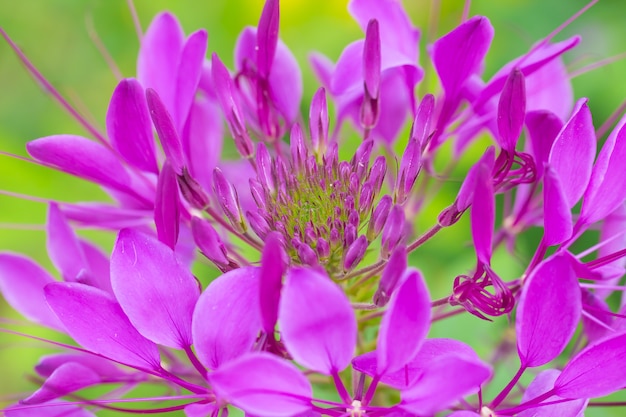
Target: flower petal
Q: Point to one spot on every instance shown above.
(129, 127)
(157, 293)
(83, 158)
(550, 295)
(455, 377)
(596, 371)
(406, 319)
(66, 379)
(22, 283)
(157, 64)
(63, 245)
(460, 53)
(227, 318)
(543, 382)
(573, 152)
(166, 207)
(96, 321)
(316, 321)
(557, 215)
(264, 385)
(188, 75)
(543, 128)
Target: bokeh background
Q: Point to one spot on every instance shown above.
(55, 36)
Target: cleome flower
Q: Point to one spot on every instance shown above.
(310, 303)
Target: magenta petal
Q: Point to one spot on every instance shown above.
(22, 283)
(188, 75)
(350, 62)
(483, 213)
(264, 385)
(96, 321)
(98, 265)
(550, 295)
(543, 382)
(460, 53)
(557, 215)
(157, 64)
(466, 193)
(397, 33)
(202, 140)
(101, 366)
(157, 293)
(408, 374)
(65, 379)
(543, 128)
(596, 371)
(607, 186)
(129, 126)
(83, 158)
(166, 130)
(406, 319)
(573, 152)
(272, 270)
(227, 318)
(63, 246)
(166, 207)
(267, 37)
(317, 321)
(286, 83)
(455, 377)
(511, 110)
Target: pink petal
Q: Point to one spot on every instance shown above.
(407, 375)
(543, 382)
(22, 283)
(98, 265)
(166, 130)
(157, 64)
(166, 207)
(83, 158)
(573, 152)
(156, 292)
(285, 77)
(557, 215)
(455, 377)
(188, 75)
(63, 246)
(264, 385)
(273, 267)
(550, 295)
(543, 128)
(511, 110)
(408, 319)
(66, 379)
(227, 318)
(129, 127)
(202, 140)
(267, 37)
(317, 321)
(101, 366)
(96, 321)
(460, 53)
(483, 213)
(596, 371)
(396, 30)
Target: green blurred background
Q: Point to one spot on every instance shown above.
(53, 34)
